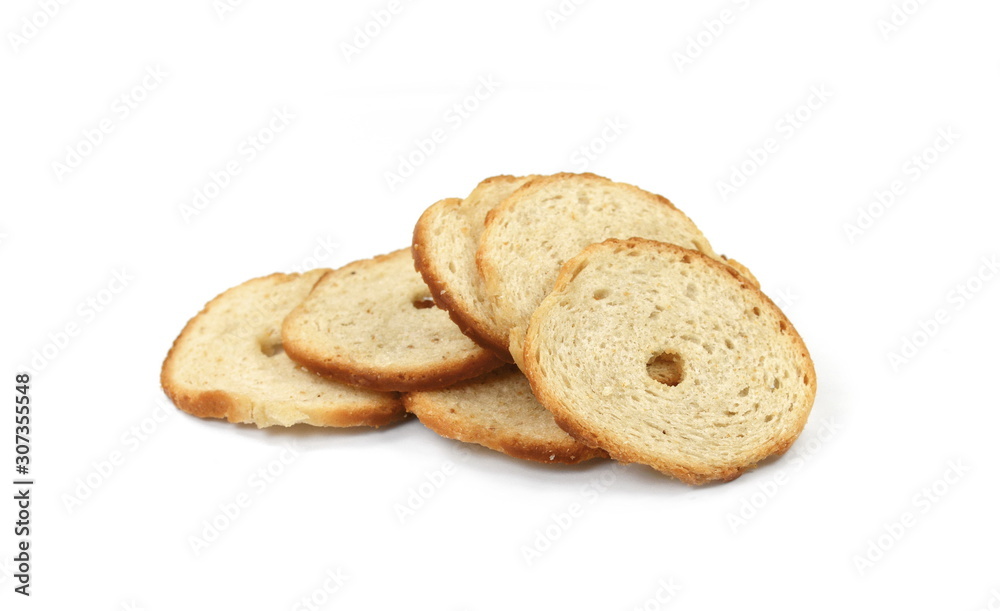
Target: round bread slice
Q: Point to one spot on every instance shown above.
(445, 240)
(551, 219)
(228, 363)
(498, 411)
(373, 324)
(663, 356)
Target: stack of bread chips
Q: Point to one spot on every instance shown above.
(552, 318)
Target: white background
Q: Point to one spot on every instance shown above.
(892, 431)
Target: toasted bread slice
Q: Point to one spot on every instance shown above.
(551, 219)
(228, 363)
(444, 249)
(663, 356)
(373, 324)
(498, 411)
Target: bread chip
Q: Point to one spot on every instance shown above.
(228, 363)
(663, 356)
(373, 324)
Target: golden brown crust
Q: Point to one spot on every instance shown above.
(390, 413)
(233, 408)
(447, 301)
(742, 269)
(510, 442)
(430, 377)
(689, 474)
(238, 409)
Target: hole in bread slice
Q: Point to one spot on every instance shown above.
(666, 368)
(422, 303)
(270, 343)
